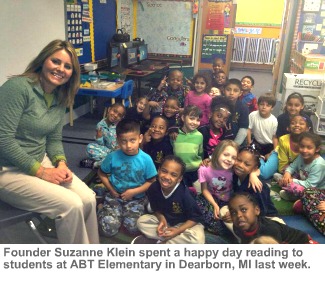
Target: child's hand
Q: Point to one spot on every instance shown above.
(127, 195)
(162, 227)
(321, 206)
(99, 133)
(286, 180)
(227, 218)
(173, 135)
(163, 83)
(227, 126)
(255, 183)
(153, 105)
(216, 212)
(170, 232)
(115, 194)
(147, 136)
(205, 162)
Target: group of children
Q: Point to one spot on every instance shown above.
(227, 141)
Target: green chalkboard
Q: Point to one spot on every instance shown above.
(213, 46)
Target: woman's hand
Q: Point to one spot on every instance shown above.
(69, 175)
(61, 174)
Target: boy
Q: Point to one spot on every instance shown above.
(174, 87)
(176, 218)
(239, 117)
(247, 97)
(263, 125)
(217, 65)
(131, 172)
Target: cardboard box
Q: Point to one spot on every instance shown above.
(308, 85)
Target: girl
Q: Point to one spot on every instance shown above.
(189, 143)
(216, 130)
(294, 105)
(288, 148)
(105, 137)
(216, 184)
(249, 224)
(170, 111)
(309, 166)
(248, 160)
(139, 113)
(199, 96)
(156, 142)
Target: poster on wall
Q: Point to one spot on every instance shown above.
(171, 26)
(218, 17)
(213, 46)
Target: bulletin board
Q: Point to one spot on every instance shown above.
(166, 26)
(26, 27)
(91, 25)
(311, 30)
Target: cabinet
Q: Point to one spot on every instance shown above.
(307, 64)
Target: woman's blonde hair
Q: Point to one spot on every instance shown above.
(67, 91)
(219, 149)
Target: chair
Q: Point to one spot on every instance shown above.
(10, 215)
(126, 93)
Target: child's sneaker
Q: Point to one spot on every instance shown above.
(144, 240)
(277, 177)
(297, 207)
(287, 196)
(87, 163)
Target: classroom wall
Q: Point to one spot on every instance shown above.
(25, 28)
(259, 19)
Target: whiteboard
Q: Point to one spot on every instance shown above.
(25, 28)
(166, 26)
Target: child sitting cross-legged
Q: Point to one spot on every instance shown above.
(262, 133)
(105, 141)
(309, 168)
(174, 216)
(127, 173)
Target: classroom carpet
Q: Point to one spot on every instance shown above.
(284, 208)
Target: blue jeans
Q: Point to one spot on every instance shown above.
(270, 167)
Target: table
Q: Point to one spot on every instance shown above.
(141, 74)
(112, 91)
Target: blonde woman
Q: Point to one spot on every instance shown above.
(34, 173)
